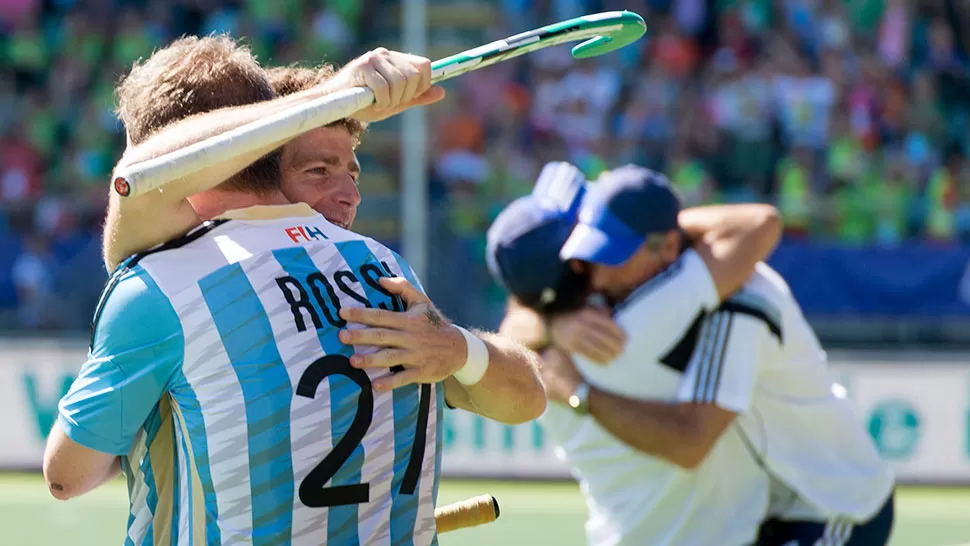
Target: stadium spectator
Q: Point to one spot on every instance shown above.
(20, 169)
(33, 276)
(841, 113)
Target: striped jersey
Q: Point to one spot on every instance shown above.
(215, 372)
(635, 498)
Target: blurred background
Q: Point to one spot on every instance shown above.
(852, 116)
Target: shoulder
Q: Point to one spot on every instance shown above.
(766, 287)
(132, 310)
(391, 262)
(664, 316)
(175, 264)
(761, 299)
(404, 268)
(685, 283)
(357, 247)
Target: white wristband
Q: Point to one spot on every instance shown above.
(476, 364)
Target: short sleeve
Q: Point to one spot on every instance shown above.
(724, 368)
(666, 305)
(137, 346)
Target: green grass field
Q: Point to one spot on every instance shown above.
(532, 513)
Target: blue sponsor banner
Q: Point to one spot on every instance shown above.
(917, 280)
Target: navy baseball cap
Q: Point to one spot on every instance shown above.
(619, 212)
(522, 252)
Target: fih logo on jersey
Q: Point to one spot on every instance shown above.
(304, 233)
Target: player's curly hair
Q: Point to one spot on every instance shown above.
(191, 76)
(287, 80)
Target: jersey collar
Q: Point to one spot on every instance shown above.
(268, 212)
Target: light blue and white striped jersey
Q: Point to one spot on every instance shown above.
(216, 373)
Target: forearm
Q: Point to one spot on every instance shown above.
(510, 391)
(732, 239)
(656, 428)
(134, 224)
(209, 124)
(755, 222)
(525, 326)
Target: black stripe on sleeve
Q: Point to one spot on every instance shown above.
(754, 312)
(678, 358)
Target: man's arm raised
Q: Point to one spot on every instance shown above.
(484, 373)
(730, 239)
(399, 81)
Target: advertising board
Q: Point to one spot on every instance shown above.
(916, 407)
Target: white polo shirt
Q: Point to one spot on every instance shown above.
(796, 450)
(638, 499)
(758, 356)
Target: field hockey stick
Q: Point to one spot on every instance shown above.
(467, 513)
(602, 32)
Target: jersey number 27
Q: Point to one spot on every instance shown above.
(313, 492)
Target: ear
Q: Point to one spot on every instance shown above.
(671, 247)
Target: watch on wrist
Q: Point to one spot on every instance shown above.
(579, 399)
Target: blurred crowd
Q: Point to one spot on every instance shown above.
(853, 116)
